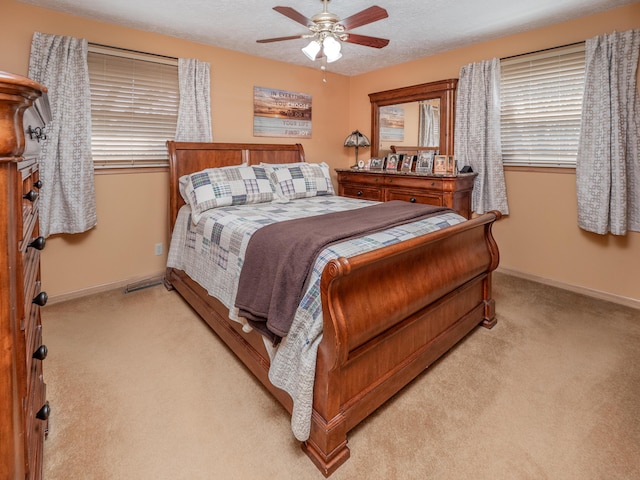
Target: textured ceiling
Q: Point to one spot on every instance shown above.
(415, 28)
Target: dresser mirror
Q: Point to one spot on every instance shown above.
(416, 116)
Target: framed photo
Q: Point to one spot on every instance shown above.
(407, 163)
(375, 164)
(424, 163)
(452, 166)
(440, 164)
(392, 162)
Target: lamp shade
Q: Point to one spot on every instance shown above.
(331, 49)
(311, 50)
(356, 139)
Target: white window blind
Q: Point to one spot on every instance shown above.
(134, 107)
(541, 97)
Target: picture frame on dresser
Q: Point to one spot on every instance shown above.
(376, 163)
(391, 164)
(440, 164)
(452, 165)
(424, 163)
(407, 162)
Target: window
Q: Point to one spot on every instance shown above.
(134, 107)
(541, 97)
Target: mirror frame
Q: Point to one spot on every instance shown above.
(445, 90)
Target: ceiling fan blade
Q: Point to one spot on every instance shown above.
(278, 39)
(294, 15)
(367, 41)
(368, 15)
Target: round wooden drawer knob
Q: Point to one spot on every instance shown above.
(41, 352)
(38, 243)
(31, 195)
(41, 299)
(44, 412)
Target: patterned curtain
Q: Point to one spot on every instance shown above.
(608, 161)
(67, 196)
(428, 120)
(194, 112)
(477, 133)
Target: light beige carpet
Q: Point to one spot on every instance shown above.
(140, 388)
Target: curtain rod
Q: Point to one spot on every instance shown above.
(132, 51)
(543, 50)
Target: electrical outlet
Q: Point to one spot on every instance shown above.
(158, 249)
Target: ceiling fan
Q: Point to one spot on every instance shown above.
(327, 31)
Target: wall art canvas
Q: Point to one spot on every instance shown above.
(279, 113)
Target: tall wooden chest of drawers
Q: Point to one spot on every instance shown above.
(24, 410)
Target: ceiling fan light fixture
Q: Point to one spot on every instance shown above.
(331, 48)
(312, 50)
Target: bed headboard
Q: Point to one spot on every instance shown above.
(189, 157)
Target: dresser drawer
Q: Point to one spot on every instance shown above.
(34, 124)
(30, 201)
(36, 352)
(37, 417)
(412, 197)
(367, 179)
(357, 191)
(421, 183)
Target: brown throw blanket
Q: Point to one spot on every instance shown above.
(280, 256)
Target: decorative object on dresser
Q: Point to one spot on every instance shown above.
(424, 163)
(407, 162)
(372, 344)
(24, 410)
(357, 140)
(453, 191)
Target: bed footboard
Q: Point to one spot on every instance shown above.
(389, 314)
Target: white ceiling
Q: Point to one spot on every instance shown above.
(415, 28)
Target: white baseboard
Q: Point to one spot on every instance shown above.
(610, 297)
(127, 285)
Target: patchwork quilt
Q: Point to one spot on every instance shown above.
(212, 252)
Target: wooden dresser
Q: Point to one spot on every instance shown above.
(24, 410)
(453, 191)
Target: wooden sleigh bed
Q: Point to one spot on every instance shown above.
(427, 292)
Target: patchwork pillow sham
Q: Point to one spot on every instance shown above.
(182, 181)
(301, 180)
(220, 187)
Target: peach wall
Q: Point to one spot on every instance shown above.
(132, 208)
(540, 238)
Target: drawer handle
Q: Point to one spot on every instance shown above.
(412, 199)
(41, 353)
(44, 412)
(32, 195)
(38, 184)
(38, 243)
(359, 193)
(41, 299)
(433, 184)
